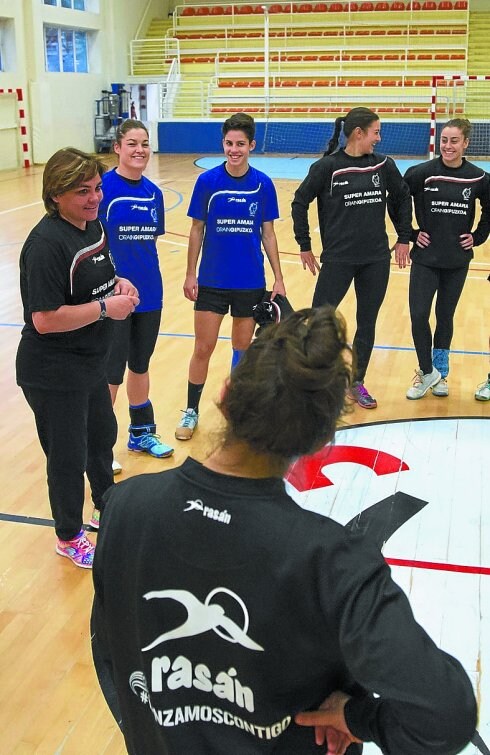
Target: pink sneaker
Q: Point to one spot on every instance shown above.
(359, 393)
(79, 550)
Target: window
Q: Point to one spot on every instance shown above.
(66, 50)
(73, 4)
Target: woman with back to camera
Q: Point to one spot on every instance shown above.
(445, 193)
(351, 186)
(69, 292)
(132, 212)
(239, 609)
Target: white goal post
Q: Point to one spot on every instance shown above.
(462, 96)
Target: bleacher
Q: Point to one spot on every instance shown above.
(302, 58)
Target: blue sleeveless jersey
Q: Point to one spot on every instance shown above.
(233, 210)
(132, 213)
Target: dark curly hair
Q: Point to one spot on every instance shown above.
(288, 392)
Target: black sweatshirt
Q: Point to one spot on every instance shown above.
(445, 202)
(351, 194)
(222, 609)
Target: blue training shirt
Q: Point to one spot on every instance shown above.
(132, 213)
(233, 210)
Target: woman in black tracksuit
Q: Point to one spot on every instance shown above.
(351, 186)
(445, 192)
(238, 611)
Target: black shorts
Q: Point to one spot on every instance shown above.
(133, 344)
(240, 301)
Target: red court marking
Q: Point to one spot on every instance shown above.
(306, 473)
(437, 566)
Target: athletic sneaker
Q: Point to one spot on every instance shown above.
(116, 467)
(359, 393)
(149, 443)
(441, 388)
(482, 393)
(95, 519)
(187, 425)
(79, 550)
(422, 383)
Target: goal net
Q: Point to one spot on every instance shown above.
(462, 97)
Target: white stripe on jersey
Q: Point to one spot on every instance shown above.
(230, 191)
(86, 252)
(352, 169)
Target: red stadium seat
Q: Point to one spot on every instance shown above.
(335, 8)
(276, 8)
(397, 5)
(188, 12)
(429, 5)
(320, 8)
(244, 9)
(305, 8)
(460, 5)
(382, 6)
(366, 7)
(203, 10)
(217, 10)
(445, 5)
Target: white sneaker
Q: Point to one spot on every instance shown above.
(482, 393)
(441, 388)
(187, 425)
(422, 383)
(116, 467)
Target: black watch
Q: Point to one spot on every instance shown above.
(103, 310)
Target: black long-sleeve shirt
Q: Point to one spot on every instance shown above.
(222, 609)
(351, 194)
(445, 203)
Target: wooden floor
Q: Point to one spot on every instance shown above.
(49, 697)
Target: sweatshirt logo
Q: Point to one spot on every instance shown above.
(219, 516)
(466, 193)
(376, 180)
(203, 617)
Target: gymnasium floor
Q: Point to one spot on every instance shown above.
(415, 474)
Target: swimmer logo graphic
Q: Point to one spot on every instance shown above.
(203, 617)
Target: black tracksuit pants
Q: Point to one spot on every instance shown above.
(424, 283)
(370, 284)
(77, 431)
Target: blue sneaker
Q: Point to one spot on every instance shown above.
(148, 442)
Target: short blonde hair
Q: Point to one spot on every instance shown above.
(64, 171)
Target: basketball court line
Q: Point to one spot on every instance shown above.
(296, 168)
(384, 347)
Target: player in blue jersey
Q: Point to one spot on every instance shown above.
(445, 193)
(132, 212)
(233, 208)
